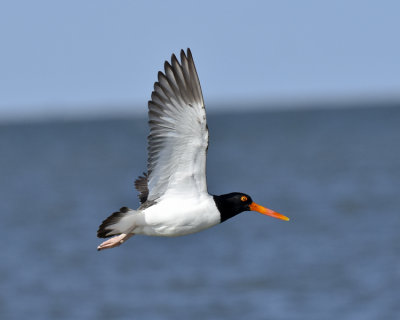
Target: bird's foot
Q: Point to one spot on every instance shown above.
(114, 241)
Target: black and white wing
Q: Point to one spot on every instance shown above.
(178, 139)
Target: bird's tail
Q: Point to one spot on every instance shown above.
(119, 222)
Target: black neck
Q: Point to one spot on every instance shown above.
(226, 208)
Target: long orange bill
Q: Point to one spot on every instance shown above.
(256, 207)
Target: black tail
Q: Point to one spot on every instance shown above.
(106, 230)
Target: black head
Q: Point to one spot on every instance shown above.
(231, 204)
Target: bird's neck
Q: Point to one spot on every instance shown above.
(226, 208)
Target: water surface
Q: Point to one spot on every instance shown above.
(335, 173)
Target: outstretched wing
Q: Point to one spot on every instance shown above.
(178, 139)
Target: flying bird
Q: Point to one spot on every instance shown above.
(173, 192)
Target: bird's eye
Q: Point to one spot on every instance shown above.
(243, 198)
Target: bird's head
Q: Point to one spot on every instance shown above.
(231, 204)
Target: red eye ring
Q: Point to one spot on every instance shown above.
(243, 198)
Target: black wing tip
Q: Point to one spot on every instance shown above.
(160, 74)
(141, 185)
(167, 65)
(186, 55)
(174, 58)
(157, 85)
(183, 55)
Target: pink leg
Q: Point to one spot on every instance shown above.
(114, 241)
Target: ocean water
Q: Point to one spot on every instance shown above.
(335, 173)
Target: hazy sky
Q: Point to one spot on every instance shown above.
(66, 57)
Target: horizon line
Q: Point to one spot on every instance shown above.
(98, 111)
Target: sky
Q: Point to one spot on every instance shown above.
(88, 58)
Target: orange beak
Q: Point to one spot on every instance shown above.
(256, 207)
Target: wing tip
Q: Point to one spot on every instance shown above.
(189, 54)
(173, 58)
(167, 65)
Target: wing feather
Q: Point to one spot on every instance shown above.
(178, 139)
(141, 186)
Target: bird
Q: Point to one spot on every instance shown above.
(173, 192)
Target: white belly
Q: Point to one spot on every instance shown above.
(177, 217)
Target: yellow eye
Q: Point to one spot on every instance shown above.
(243, 198)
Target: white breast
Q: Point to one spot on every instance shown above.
(177, 216)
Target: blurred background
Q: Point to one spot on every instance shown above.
(303, 110)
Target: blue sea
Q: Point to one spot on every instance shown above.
(335, 173)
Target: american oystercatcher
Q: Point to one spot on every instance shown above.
(173, 192)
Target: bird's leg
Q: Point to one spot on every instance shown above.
(114, 241)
